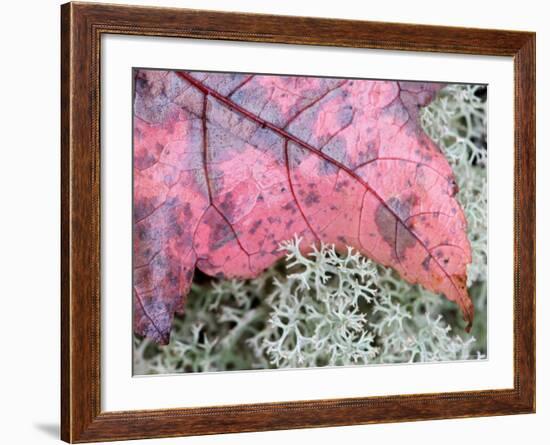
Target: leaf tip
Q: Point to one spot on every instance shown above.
(468, 314)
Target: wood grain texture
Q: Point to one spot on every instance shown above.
(82, 26)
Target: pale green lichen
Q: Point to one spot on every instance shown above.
(328, 308)
(315, 310)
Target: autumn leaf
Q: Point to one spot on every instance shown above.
(227, 166)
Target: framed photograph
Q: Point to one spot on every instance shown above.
(274, 222)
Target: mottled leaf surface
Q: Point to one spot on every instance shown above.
(226, 166)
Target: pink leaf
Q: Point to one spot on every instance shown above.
(226, 166)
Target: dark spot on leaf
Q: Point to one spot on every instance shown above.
(340, 185)
(393, 232)
(290, 206)
(142, 208)
(426, 262)
(453, 187)
(255, 226)
(227, 205)
(187, 212)
(220, 235)
(142, 233)
(173, 201)
(385, 221)
(312, 198)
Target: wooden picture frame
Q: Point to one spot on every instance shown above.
(82, 26)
